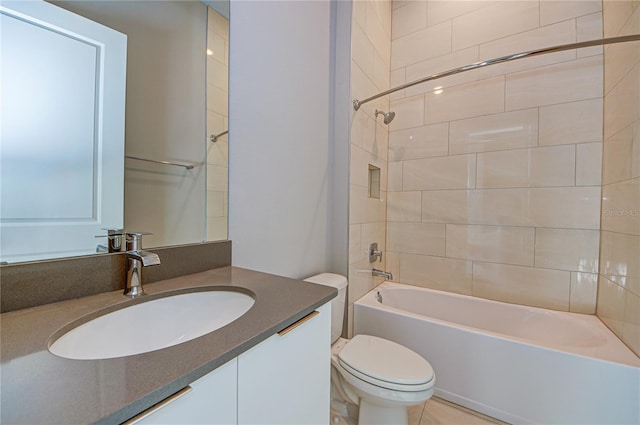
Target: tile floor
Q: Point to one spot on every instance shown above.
(434, 411)
(437, 411)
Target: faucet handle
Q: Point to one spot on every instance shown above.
(114, 243)
(134, 240)
(374, 253)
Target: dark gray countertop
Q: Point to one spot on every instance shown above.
(37, 387)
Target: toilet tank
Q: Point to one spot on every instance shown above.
(337, 304)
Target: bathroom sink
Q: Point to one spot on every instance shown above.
(152, 325)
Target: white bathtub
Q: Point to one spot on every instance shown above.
(515, 363)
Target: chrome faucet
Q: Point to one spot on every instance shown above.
(137, 259)
(114, 240)
(386, 275)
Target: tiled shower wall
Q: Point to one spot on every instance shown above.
(370, 64)
(217, 122)
(494, 174)
(619, 280)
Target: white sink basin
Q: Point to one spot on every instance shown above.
(152, 325)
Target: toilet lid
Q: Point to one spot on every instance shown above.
(384, 360)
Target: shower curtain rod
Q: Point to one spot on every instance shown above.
(622, 39)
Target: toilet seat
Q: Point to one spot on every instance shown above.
(386, 364)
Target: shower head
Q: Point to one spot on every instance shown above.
(388, 116)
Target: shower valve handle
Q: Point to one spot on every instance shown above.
(374, 253)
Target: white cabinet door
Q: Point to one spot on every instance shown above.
(212, 401)
(286, 378)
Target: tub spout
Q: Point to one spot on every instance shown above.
(382, 273)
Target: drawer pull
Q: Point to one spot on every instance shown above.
(298, 323)
(140, 416)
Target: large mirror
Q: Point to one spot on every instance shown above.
(176, 99)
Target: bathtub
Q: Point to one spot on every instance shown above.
(515, 363)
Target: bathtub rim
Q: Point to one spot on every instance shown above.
(633, 361)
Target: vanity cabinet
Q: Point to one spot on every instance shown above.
(286, 378)
(209, 400)
(283, 380)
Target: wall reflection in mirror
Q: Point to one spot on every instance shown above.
(217, 124)
(176, 69)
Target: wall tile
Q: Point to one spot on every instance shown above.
(500, 244)
(621, 155)
(416, 238)
(446, 274)
(373, 233)
(567, 249)
(218, 152)
(570, 207)
(217, 178)
(409, 18)
(619, 254)
(616, 14)
(378, 28)
(363, 209)
(441, 64)
(514, 169)
(217, 229)
(589, 164)
(215, 204)
(589, 27)
(409, 113)
(394, 170)
(447, 206)
(465, 101)
(505, 18)
(522, 285)
(631, 326)
(552, 35)
(449, 172)
(574, 122)
(421, 45)
(440, 11)
(362, 50)
(360, 280)
(363, 132)
(619, 280)
(621, 105)
(362, 85)
(356, 253)
(404, 206)
(611, 303)
(397, 78)
(620, 59)
(359, 12)
(218, 73)
(217, 100)
(359, 168)
(560, 10)
(380, 73)
(419, 142)
(584, 291)
(535, 167)
(621, 207)
(508, 130)
(392, 264)
(564, 82)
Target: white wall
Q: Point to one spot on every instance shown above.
(282, 190)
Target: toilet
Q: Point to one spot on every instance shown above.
(382, 378)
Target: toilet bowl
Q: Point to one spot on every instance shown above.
(380, 377)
